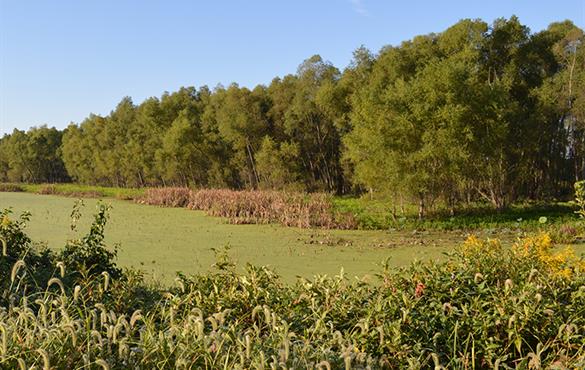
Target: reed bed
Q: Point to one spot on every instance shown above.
(11, 188)
(56, 190)
(166, 197)
(301, 210)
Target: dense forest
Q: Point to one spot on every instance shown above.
(479, 111)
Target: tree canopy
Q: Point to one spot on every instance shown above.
(478, 111)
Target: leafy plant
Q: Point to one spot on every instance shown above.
(580, 198)
(485, 306)
(89, 254)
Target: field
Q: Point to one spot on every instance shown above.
(484, 305)
(420, 207)
(472, 302)
(162, 241)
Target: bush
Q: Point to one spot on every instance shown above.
(89, 256)
(80, 259)
(19, 250)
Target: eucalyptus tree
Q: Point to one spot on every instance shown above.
(477, 112)
(308, 125)
(241, 117)
(277, 165)
(32, 156)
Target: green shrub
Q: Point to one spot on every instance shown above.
(90, 255)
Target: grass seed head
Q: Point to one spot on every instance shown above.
(15, 268)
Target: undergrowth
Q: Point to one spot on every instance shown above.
(375, 214)
(485, 306)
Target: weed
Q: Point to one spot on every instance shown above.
(486, 305)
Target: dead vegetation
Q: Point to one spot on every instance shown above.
(256, 207)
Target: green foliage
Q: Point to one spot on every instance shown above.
(83, 191)
(85, 258)
(484, 306)
(385, 214)
(580, 198)
(478, 112)
(35, 262)
(277, 166)
(89, 254)
(33, 156)
(452, 116)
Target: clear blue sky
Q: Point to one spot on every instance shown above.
(61, 60)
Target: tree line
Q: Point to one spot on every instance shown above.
(478, 111)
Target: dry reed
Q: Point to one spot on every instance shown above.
(256, 207)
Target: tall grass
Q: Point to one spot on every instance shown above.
(384, 214)
(75, 190)
(13, 188)
(486, 306)
(166, 197)
(256, 207)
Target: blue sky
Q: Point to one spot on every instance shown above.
(61, 60)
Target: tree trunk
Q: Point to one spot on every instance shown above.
(252, 165)
(421, 207)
